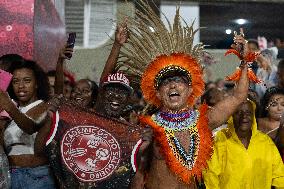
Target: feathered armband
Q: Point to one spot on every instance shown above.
(248, 59)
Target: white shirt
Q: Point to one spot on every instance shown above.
(17, 142)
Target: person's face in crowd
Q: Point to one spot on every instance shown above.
(67, 90)
(280, 76)
(51, 80)
(82, 93)
(263, 61)
(24, 86)
(137, 102)
(252, 47)
(220, 84)
(115, 99)
(275, 107)
(211, 86)
(243, 117)
(173, 92)
(217, 95)
(197, 103)
(278, 43)
(254, 96)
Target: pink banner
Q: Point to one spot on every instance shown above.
(16, 26)
(32, 29)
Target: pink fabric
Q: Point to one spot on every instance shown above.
(32, 29)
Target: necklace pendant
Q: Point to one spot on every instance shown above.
(186, 158)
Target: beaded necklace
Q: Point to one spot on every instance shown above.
(193, 124)
(176, 122)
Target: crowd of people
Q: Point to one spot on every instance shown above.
(193, 135)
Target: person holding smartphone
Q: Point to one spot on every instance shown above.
(29, 89)
(113, 95)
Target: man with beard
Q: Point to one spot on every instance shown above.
(244, 158)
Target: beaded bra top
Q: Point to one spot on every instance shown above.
(185, 161)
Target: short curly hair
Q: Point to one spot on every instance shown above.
(40, 77)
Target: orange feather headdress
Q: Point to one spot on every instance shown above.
(154, 49)
(178, 62)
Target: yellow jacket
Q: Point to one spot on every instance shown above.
(234, 167)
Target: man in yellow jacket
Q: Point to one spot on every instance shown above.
(244, 158)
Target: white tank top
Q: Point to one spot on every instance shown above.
(17, 142)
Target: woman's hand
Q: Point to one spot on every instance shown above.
(55, 103)
(6, 102)
(64, 51)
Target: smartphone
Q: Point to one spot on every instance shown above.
(5, 79)
(70, 43)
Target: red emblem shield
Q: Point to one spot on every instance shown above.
(92, 146)
(90, 152)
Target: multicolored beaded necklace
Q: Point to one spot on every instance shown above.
(176, 122)
(193, 126)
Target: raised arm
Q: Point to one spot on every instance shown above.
(221, 112)
(121, 36)
(29, 122)
(40, 140)
(44, 132)
(59, 76)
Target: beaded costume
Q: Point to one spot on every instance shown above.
(185, 161)
(154, 50)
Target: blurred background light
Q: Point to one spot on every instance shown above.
(228, 31)
(241, 21)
